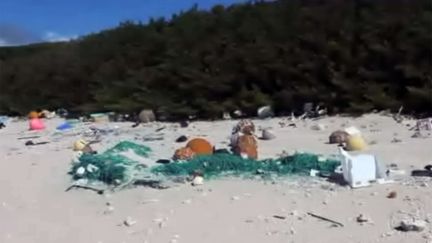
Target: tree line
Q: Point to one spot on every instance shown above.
(352, 56)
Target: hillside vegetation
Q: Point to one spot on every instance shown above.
(351, 56)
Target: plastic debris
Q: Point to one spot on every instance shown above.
(197, 181)
(356, 143)
(268, 134)
(412, 225)
(265, 112)
(360, 170)
(338, 137)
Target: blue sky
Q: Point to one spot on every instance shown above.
(27, 21)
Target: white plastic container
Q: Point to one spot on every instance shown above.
(359, 170)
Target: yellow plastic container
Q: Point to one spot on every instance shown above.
(356, 143)
(80, 145)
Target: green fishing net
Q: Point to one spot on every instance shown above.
(115, 167)
(112, 166)
(229, 164)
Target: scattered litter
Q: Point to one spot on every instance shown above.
(80, 145)
(279, 217)
(265, 112)
(99, 191)
(412, 225)
(163, 161)
(352, 131)
(424, 124)
(30, 137)
(326, 219)
(181, 139)
(31, 143)
(268, 134)
(392, 195)
(427, 172)
(129, 222)
(184, 153)
(363, 219)
(197, 181)
(36, 124)
(314, 173)
(160, 129)
(64, 126)
(338, 137)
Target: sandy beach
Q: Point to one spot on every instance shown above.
(34, 207)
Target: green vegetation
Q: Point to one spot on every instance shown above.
(351, 55)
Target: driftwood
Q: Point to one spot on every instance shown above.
(326, 219)
(99, 191)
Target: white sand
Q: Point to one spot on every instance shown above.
(34, 207)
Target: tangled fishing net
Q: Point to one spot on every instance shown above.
(113, 167)
(116, 167)
(228, 164)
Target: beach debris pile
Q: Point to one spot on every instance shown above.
(127, 163)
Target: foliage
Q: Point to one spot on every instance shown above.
(351, 55)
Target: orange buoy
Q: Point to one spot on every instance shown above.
(247, 147)
(33, 115)
(200, 146)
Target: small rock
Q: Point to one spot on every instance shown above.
(392, 195)
(388, 234)
(235, 198)
(396, 140)
(109, 210)
(162, 225)
(362, 219)
(197, 181)
(187, 201)
(268, 134)
(412, 225)
(292, 230)
(129, 222)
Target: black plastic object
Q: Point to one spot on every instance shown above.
(181, 139)
(163, 161)
(421, 173)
